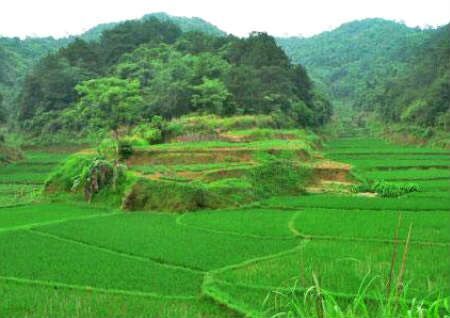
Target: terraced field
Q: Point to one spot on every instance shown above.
(66, 259)
(22, 182)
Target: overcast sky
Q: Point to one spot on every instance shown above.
(277, 17)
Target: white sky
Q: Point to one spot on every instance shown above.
(278, 17)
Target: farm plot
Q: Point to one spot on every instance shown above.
(34, 301)
(409, 175)
(358, 265)
(393, 164)
(352, 202)
(158, 237)
(428, 226)
(21, 182)
(368, 146)
(31, 257)
(254, 222)
(31, 215)
(60, 260)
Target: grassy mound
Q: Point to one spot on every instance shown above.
(262, 181)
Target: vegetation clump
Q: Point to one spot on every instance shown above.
(87, 174)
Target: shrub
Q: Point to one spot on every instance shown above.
(125, 149)
(393, 190)
(64, 177)
(108, 148)
(88, 174)
(151, 135)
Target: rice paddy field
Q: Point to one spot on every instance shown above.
(279, 257)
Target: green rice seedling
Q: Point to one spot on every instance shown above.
(352, 202)
(430, 194)
(387, 149)
(46, 157)
(397, 157)
(431, 185)
(342, 267)
(430, 226)
(21, 299)
(385, 164)
(13, 189)
(28, 215)
(34, 257)
(408, 174)
(251, 221)
(293, 301)
(158, 236)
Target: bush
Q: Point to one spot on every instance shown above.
(393, 190)
(125, 150)
(88, 174)
(64, 177)
(108, 148)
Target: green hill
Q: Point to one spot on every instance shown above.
(17, 56)
(149, 67)
(380, 65)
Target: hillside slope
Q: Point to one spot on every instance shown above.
(383, 66)
(17, 56)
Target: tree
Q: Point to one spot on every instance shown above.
(109, 102)
(2, 110)
(212, 96)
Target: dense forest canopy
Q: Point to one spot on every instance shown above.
(18, 56)
(139, 69)
(170, 66)
(383, 66)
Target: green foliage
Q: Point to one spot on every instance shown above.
(393, 190)
(108, 102)
(163, 196)
(96, 304)
(212, 96)
(401, 73)
(83, 262)
(108, 148)
(140, 69)
(66, 175)
(360, 203)
(279, 176)
(158, 236)
(88, 174)
(353, 224)
(2, 111)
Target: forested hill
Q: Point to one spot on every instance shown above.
(184, 23)
(139, 69)
(375, 64)
(17, 56)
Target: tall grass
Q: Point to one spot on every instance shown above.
(316, 302)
